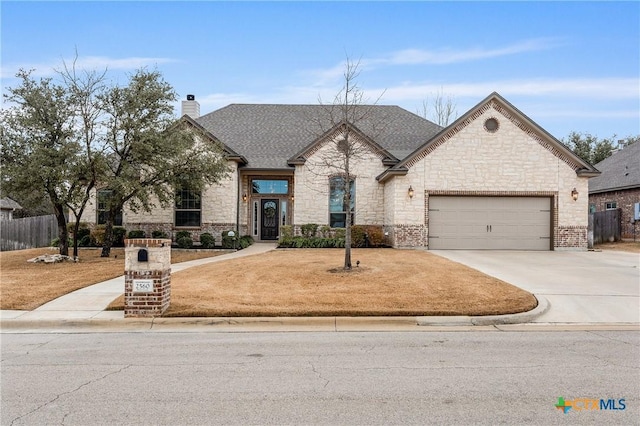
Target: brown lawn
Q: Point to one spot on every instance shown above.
(310, 282)
(299, 282)
(25, 286)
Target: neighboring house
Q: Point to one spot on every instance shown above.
(618, 187)
(7, 207)
(491, 180)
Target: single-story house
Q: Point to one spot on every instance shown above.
(493, 179)
(7, 207)
(618, 187)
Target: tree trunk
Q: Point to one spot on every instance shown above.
(108, 235)
(63, 233)
(76, 228)
(347, 222)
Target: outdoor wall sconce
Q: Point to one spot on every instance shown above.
(410, 192)
(244, 197)
(293, 198)
(574, 194)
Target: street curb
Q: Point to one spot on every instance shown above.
(519, 318)
(332, 323)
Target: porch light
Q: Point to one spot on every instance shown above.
(410, 192)
(574, 194)
(293, 198)
(244, 197)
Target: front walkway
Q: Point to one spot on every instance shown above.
(91, 302)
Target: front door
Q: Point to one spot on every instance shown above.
(269, 221)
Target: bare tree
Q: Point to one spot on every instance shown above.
(340, 125)
(441, 110)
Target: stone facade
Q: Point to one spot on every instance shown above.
(312, 186)
(511, 157)
(625, 200)
(469, 160)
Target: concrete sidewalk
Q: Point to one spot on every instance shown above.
(91, 302)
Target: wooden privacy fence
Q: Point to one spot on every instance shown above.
(28, 232)
(606, 226)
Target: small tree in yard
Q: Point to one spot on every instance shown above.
(347, 110)
(149, 156)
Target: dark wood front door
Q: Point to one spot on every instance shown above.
(269, 221)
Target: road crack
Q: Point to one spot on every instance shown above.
(63, 394)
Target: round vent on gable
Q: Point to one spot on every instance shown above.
(491, 125)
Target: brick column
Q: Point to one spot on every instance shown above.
(147, 277)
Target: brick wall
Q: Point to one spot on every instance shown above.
(157, 269)
(625, 200)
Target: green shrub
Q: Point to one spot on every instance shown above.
(56, 241)
(309, 230)
(118, 236)
(325, 231)
(185, 242)
(97, 236)
(85, 241)
(340, 233)
(159, 234)
(286, 231)
(227, 241)
(314, 242)
(181, 234)
(207, 240)
(137, 233)
(357, 236)
(245, 241)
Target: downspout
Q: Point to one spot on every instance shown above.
(239, 200)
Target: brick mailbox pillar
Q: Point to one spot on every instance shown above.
(147, 277)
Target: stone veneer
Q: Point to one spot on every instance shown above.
(157, 269)
(470, 161)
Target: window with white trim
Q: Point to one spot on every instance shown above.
(610, 205)
(188, 209)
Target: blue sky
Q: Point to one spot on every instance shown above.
(570, 66)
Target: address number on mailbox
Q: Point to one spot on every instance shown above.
(143, 286)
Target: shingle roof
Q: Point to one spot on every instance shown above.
(268, 135)
(619, 171)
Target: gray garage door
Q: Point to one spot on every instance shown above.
(492, 223)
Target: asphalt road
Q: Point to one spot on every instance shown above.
(486, 377)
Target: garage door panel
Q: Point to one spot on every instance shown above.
(494, 223)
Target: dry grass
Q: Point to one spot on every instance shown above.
(25, 286)
(629, 246)
(300, 282)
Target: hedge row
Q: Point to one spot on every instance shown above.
(361, 236)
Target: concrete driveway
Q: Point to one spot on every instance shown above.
(581, 287)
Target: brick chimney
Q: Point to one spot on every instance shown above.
(191, 107)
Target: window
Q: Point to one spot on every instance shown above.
(103, 208)
(337, 202)
(610, 205)
(270, 186)
(188, 208)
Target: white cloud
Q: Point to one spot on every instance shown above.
(450, 56)
(84, 63)
(432, 57)
(590, 88)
